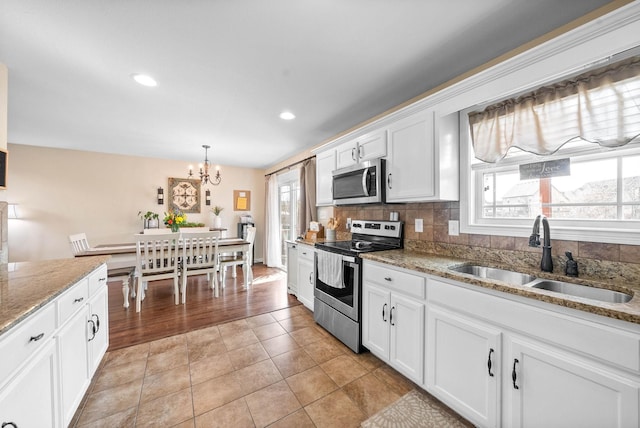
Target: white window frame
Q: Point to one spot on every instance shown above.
(471, 194)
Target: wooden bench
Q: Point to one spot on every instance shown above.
(125, 274)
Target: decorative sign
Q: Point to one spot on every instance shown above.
(242, 200)
(184, 195)
(546, 169)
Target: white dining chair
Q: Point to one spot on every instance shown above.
(157, 257)
(79, 243)
(199, 256)
(233, 261)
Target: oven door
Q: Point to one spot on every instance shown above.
(346, 297)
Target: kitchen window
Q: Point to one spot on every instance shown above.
(597, 198)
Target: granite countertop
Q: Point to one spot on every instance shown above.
(440, 266)
(27, 286)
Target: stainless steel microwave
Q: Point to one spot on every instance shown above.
(359, 184)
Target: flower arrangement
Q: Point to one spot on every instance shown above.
(174, 220)
(217, 210)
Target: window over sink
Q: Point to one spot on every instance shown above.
(596, 197)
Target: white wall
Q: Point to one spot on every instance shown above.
(62, 192)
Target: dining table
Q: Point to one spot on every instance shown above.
(122, 263)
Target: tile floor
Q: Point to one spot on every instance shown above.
(278, 370)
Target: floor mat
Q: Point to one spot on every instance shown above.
(414, 409)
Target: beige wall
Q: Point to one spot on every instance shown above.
(62, 192)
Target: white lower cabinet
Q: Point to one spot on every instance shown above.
(306, 275)
(499, 362)
(393, 321)
(547, 388)
(73, 350)
(31, 399)
(292, 268)
(98, 329)
(53, 354)
(463, 365)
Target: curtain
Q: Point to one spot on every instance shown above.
(307, 211)
(600, 106)
(273, 242)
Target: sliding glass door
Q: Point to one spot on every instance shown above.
(289, 202)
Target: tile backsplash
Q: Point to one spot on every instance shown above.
(595, 259)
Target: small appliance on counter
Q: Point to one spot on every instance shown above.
(316, 231)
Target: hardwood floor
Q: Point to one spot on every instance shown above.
(160, 317)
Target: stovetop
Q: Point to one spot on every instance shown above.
(368, 236)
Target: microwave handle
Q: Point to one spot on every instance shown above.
(365, 178)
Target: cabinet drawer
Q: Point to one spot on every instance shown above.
(305, 252)
(18, 345)
(406, 283)
(597, 340)
(97, 280)
(72, 300)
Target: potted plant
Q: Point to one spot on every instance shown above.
(217, 220)
(174, 219)
(149, 219)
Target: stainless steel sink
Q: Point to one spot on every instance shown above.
(601, 294)
(503, 275)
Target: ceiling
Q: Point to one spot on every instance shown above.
(226, 69)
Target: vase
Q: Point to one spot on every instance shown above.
(175, 228)
(217, 222)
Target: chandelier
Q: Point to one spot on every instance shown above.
(204, 170)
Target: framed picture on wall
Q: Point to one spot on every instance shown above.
(184, 195)
(3, 169)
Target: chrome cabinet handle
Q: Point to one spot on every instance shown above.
(97, 321)
(311, 278)
(102, 279)
(389, 180)
(78, 300)
(514, 375)
(358, 152)
(489, 362)
(383, 308)
(353, 154)
(388, 278)
(391, 315)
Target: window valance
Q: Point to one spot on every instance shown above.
(600, 106)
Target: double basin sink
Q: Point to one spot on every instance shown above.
(561, 287)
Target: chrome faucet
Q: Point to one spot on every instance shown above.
(546, 264)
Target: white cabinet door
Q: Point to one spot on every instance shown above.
(325, 164)
(463, 365)
(74, 371)
(406, 319)
(410, 159)
(98, 326)
(375, 319)
(305, 276)
(30, 399)
(292, 268)
(372, 146)
(546, 388)
(347, 154)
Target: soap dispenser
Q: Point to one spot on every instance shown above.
(571, 268)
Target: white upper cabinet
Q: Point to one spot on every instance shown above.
(422, 158)
(325, 164)
(369, 146)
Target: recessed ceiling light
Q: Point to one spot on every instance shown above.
(144, 80)
(287, 115)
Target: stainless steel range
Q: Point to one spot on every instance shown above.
(338, 281)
